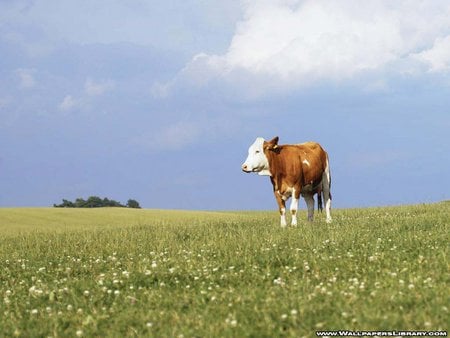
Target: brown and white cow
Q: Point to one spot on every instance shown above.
(294, 170)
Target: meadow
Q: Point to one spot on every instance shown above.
(152, 273)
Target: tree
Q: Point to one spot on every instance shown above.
(133, 204)
(64, 204)
(96, 202)
(80, 203)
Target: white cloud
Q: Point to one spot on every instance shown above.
(301, 42)
(178, 135)
(68, 103)
(94, 88)
(437, 57)
(174, 137)
(26, 78)
(171, 25)
(186, 133)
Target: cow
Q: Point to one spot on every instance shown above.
(294, 170)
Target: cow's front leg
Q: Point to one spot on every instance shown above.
(294, 206)
(282, 207)
(309, 198)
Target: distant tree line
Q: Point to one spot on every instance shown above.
(96, 202)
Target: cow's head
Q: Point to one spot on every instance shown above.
(257, 161)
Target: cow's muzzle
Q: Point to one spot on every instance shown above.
(245, 169)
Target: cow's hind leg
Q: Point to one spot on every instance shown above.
(327, 198)
(326, 186)
(309, 198)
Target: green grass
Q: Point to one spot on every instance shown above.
(121, 272)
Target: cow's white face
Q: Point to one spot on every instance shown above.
(256, 161)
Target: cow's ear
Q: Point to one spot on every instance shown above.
(273, 144)
(274, 141)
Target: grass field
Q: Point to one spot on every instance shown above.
(121, 272)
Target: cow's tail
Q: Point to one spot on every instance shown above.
(329, 178)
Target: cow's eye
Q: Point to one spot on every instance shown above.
(257, 152)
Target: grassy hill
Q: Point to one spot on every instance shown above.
(15, 221)
(121, 272)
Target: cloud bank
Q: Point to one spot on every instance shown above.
(295, 43)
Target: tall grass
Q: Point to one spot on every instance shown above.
(117, 272)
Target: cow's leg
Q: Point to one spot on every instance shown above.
(326, 184)
(294, 206)
(327, 198)
(309, 198)
(282, 207)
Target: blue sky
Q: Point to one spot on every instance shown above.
(160, 100)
